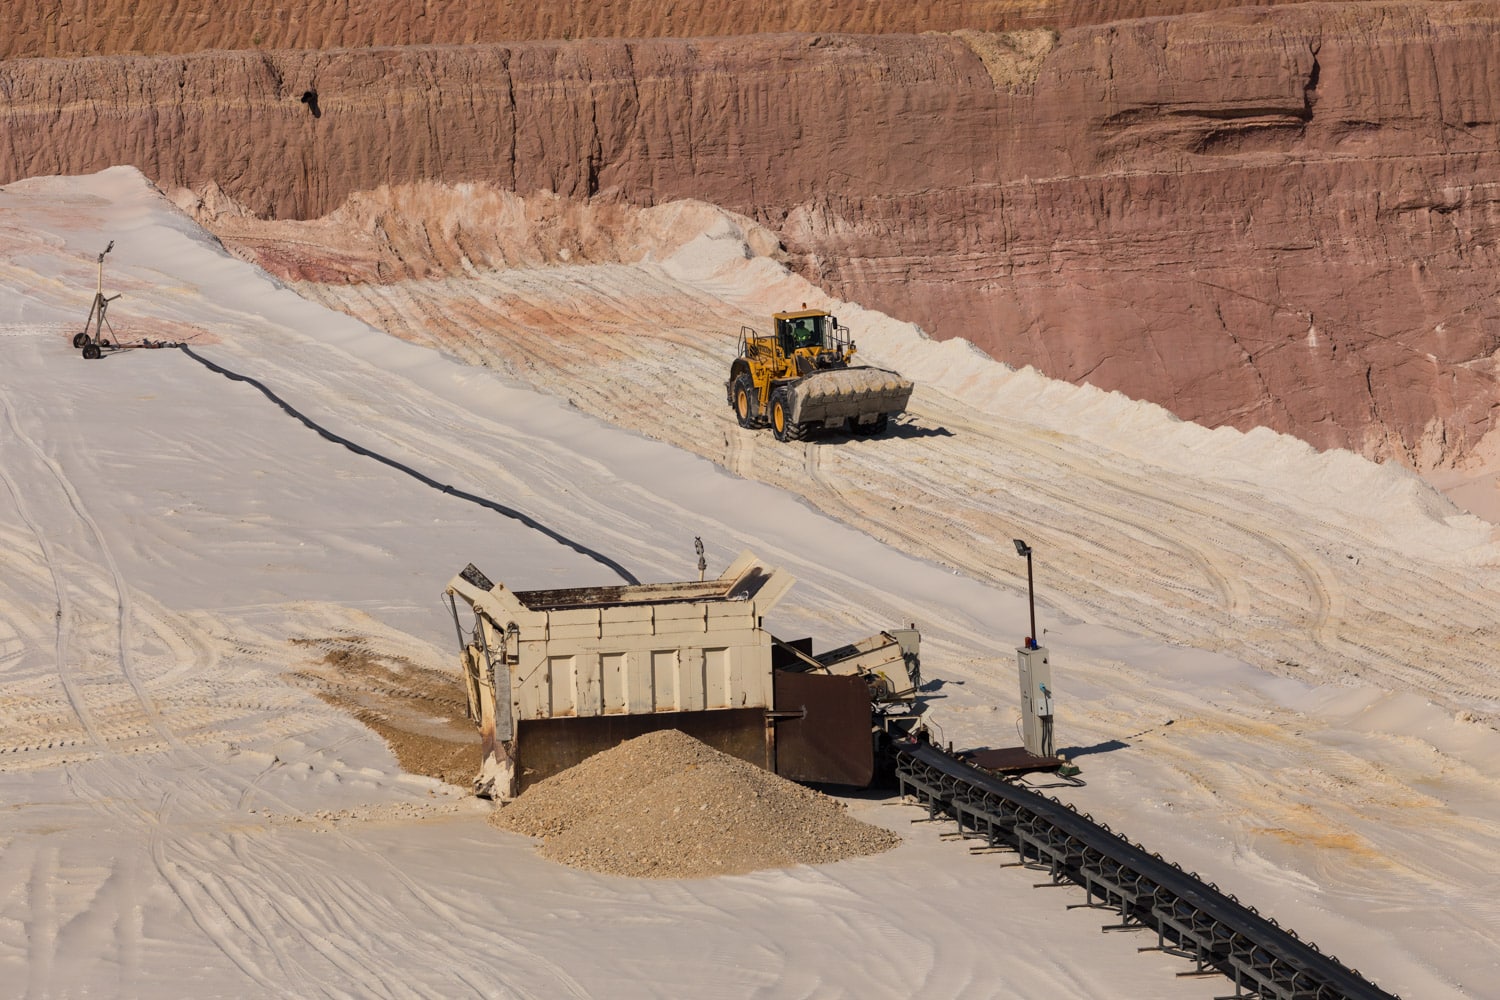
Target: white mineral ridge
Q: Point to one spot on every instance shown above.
(1275, 666)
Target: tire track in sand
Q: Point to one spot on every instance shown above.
(64, 612)
(1206, 561)
(231, 910)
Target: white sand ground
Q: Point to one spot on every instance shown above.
(1276, 667)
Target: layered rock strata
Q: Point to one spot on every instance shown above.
(1265, 216)
(71, 28)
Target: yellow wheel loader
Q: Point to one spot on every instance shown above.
(799, 380)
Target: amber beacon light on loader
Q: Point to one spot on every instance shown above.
(799, 380)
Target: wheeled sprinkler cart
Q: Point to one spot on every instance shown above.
(91, 338)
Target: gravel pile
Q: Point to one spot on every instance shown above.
(665, 805)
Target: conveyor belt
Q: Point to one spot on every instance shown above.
(1191, 918)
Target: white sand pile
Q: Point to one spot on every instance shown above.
(665, 805)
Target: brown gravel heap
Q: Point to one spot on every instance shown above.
(665, 805)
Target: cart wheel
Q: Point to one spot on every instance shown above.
(91, 351)
(79, 339)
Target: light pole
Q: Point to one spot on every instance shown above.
(1023, 549)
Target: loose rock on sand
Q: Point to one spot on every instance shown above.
(666, 805)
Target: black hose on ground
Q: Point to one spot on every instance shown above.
(426, 480)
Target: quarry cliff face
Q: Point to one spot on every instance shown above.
(73, 28)
(1262, 216)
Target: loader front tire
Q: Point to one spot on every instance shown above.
(745, 403)
(781, 418)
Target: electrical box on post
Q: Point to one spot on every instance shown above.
(1036, 700)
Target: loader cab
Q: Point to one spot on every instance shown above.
(796, 334)
(801, 330)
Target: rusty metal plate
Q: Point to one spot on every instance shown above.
(830, 741)
(1009, 760)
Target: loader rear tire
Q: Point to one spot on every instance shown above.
(782, 424)
(745, 403)
(79, 339)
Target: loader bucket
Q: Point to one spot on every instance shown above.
(860, 394)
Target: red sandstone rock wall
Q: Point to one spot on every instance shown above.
(1264, 216)
(74, 28)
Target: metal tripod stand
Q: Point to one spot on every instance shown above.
(93, 343)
